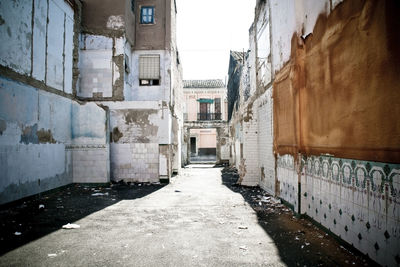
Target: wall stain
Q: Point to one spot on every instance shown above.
(346, 106)
(115, 135)
(2, 21)
(29, 135)
(45, 136)
(3, 126)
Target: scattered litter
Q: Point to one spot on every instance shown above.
(259, 203)
(17, 233)
(307, 244)
(177, 191)
(60, 207)
(302, 246)
(99, 194)
(71, 226)
(52, 255)
(113, 199)
(41, 206)
(265, 199)
(221, 222)
(242, 227)
(139, 184)
(320, 236)
(297, 238)
(243, 248)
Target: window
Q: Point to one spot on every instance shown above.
(149, 70)
(147, 15)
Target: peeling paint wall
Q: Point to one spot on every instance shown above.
(102, 67)
(37, 41)
(40, 123)
(37, 128)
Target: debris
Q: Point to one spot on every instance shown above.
(178, 191)
(243, 248)
(320, 236)
(307, 244)
(297, 238)
(259, 203)
(139, 184)
(99, 194)
(71, 226)
(17, 233)
(221, 222)
(41, 206)
(52, 255)
(302, 246)
(242, 227)
(60, 207)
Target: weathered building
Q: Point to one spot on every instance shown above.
(311, 116)
(130, 64)
(205, 113)
(90, 91)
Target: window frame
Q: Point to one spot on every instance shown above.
(142, 15)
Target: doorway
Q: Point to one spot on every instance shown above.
(192, 146)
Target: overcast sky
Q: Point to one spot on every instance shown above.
(207, 30)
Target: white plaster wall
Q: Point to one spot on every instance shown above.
(152, 93)
(68, 50)
(283, 24)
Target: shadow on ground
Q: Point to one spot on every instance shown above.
(300, 243)
(25, 221)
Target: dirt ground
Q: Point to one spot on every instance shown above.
(297, 241)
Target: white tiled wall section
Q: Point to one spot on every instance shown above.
(136, 162)
(249, 170)
(90, 163)
(288, 180)
(265, 143)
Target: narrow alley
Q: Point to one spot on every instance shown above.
(202, 218)
(199, 133)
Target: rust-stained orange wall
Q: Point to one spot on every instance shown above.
(342, 86)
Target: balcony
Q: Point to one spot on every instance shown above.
(209, 116)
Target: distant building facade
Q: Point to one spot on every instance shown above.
(205, 105)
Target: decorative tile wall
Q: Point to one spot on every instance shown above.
(356, 200)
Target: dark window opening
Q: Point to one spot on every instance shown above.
(149, 82)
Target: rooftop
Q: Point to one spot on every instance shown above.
(237, 55)
(216, 83)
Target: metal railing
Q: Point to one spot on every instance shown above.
(209, 116)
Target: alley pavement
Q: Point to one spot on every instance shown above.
(200, 219)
